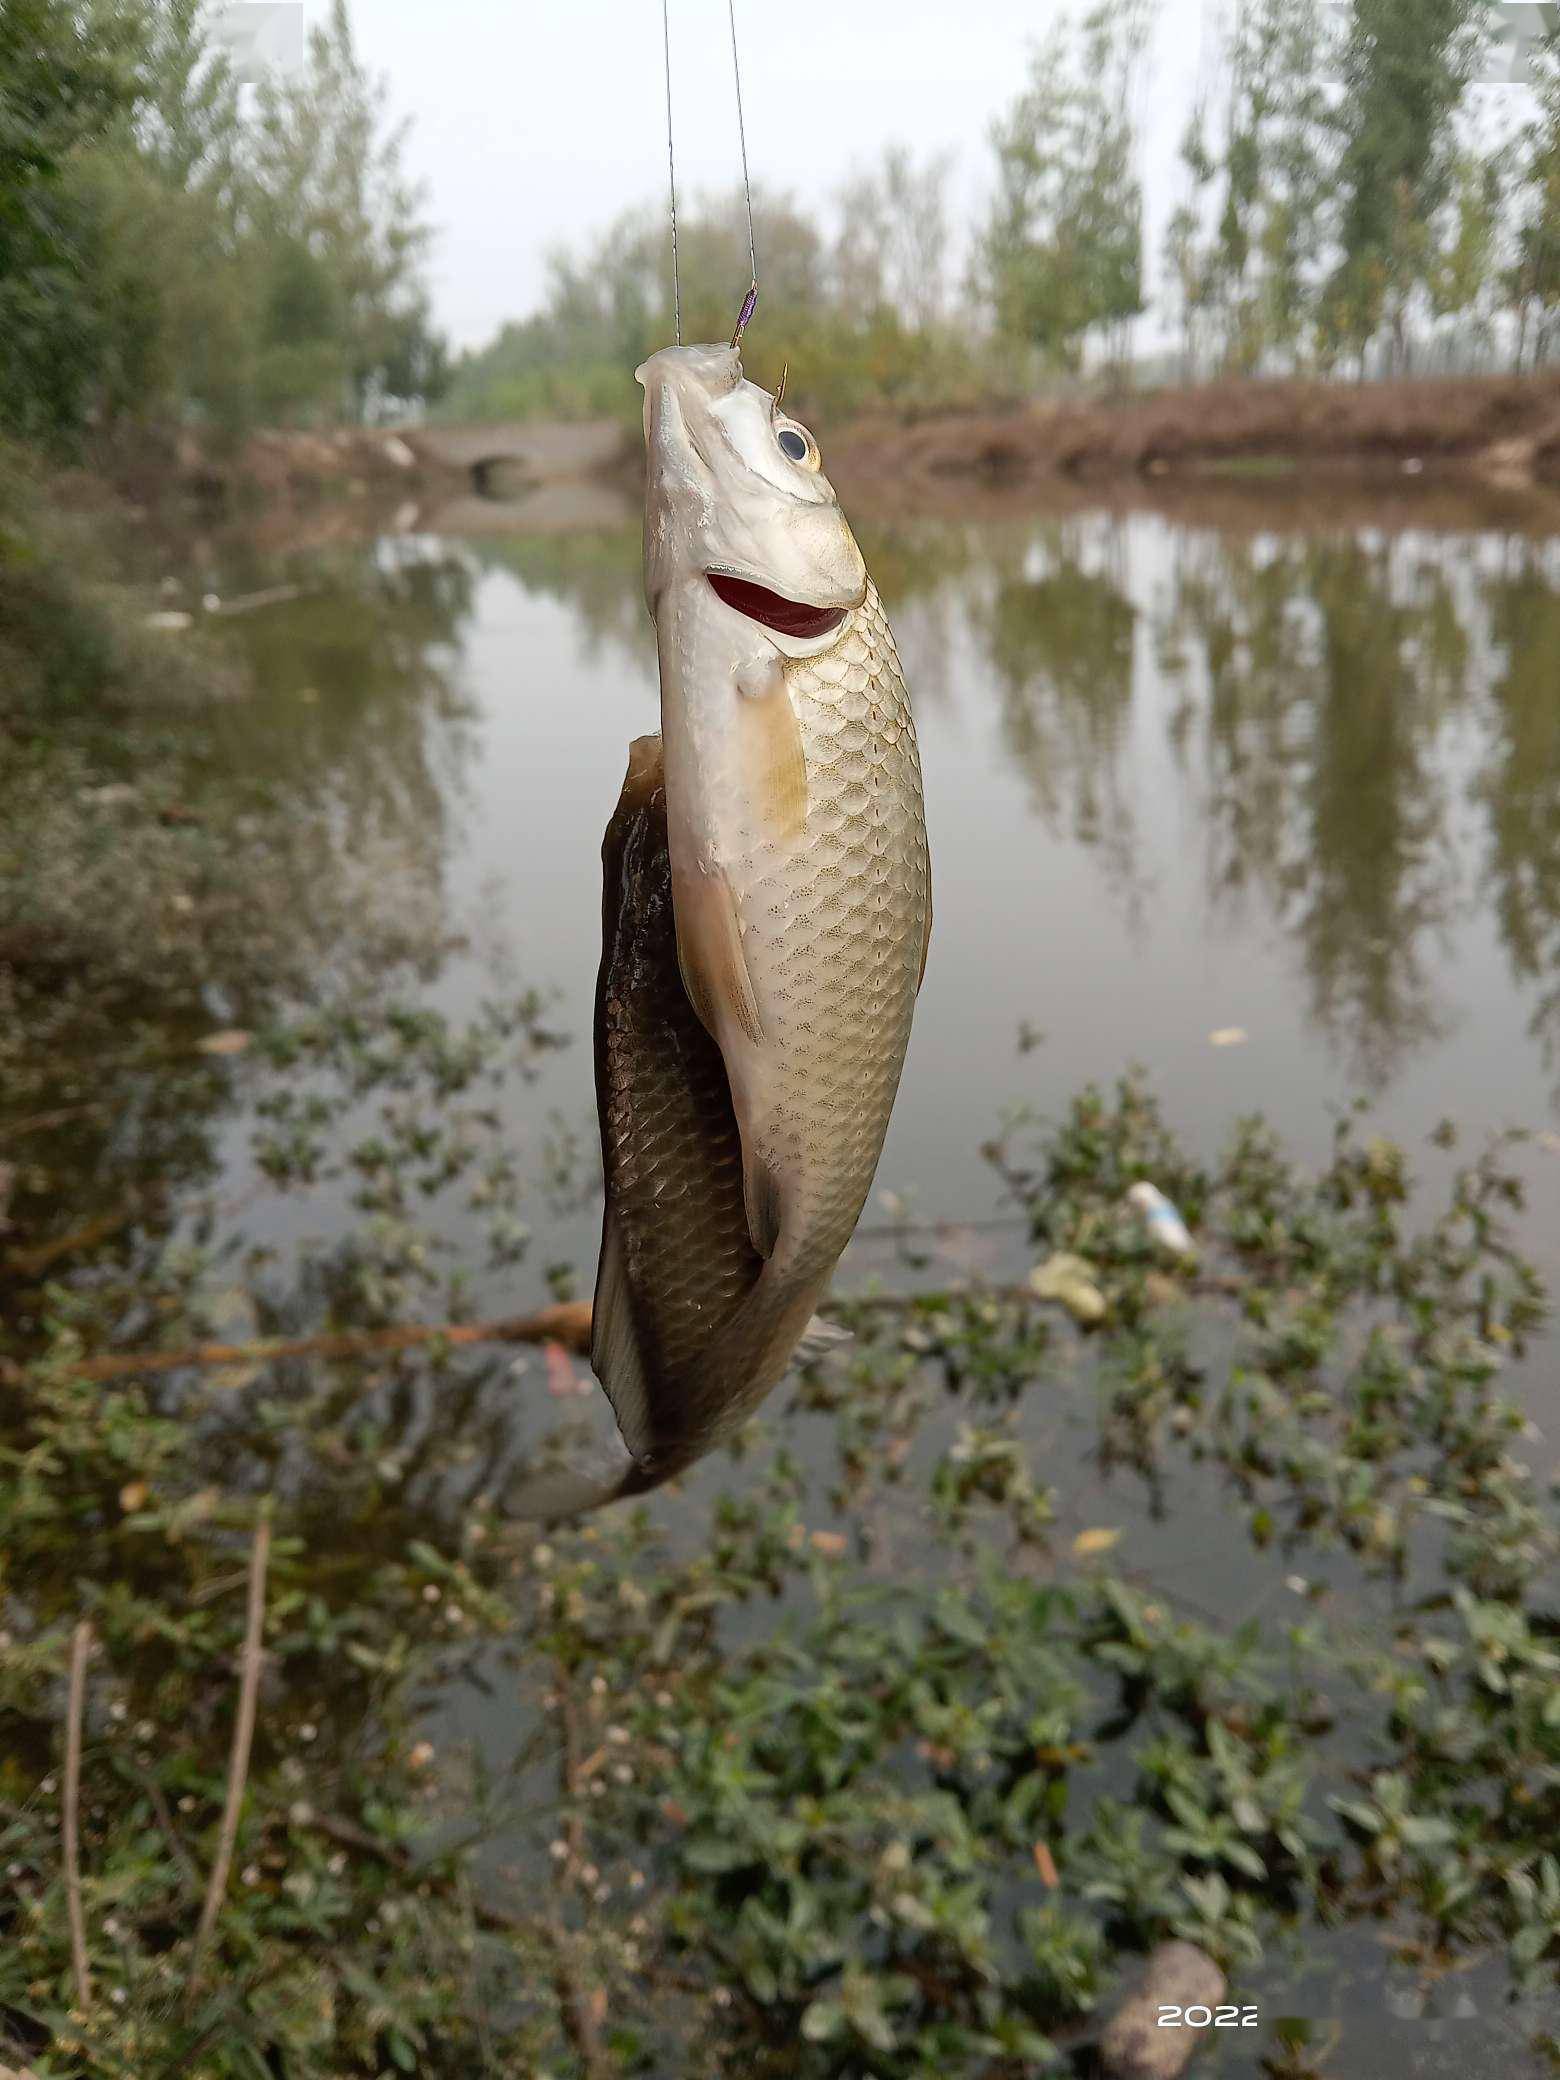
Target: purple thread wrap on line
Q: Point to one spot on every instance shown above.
(749, 305)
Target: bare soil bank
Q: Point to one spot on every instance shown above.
(1502, 426)
(1504, 430)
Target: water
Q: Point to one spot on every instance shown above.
(1287, 778)
(1300, 783)
(1291, 779)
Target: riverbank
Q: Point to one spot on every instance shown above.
(1503, 429)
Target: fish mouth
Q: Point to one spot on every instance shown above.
(787, 617)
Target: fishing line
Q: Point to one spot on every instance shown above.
(671, 170)
(750, 300)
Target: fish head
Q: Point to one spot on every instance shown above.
(736, 497)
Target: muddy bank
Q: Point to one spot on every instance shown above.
(1503, 431)
(281, 467)
(1505, 427)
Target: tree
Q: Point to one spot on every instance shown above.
(67, 70)
(329, 194)
(1463, 270)
(1062, 254)
(1406, 68)
(1532, 282)
(1190, 262)
(177, 276)
(1277, 179)
(892, 249)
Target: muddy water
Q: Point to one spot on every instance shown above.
(1270, 806)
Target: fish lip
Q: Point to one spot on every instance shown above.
(773, 610)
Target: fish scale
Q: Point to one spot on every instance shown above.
(839, 917)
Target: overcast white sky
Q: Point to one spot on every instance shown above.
(537, 121)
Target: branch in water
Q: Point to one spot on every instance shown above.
(567, 1323)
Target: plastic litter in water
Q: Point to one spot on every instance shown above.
(1162, 1220)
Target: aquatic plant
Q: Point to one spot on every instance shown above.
(884, 1745)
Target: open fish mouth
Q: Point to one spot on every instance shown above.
(787, 617)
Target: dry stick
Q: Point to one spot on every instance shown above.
(32, 1263)
(567, 1323)
(35, 1124)
(243, 1739)
(80, 1648)
(575, 2006)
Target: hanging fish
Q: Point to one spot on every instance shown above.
(800, 892)
(675, 1245)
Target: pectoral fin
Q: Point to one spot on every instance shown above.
(615, 1354)
(774, 766)
(709, 953)
(715, 975)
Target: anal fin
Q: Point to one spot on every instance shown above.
(818, 1339)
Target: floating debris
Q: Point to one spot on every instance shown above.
(1163, 1220)
(1070, 1280)
(1101, 1539)
(1229, 1036)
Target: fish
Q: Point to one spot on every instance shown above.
(674, 1229)
(798, 875)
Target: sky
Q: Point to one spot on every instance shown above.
(536, 121)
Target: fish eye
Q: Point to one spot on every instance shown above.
(798, 445)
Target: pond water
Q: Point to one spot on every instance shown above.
(1268, 803)
(1290, 788)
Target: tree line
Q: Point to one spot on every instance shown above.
(176, 247)
(1341, 211)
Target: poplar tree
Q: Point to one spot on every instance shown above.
(1532, 281)
(1277, 181)
(1062, 252)
(1406, 67)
